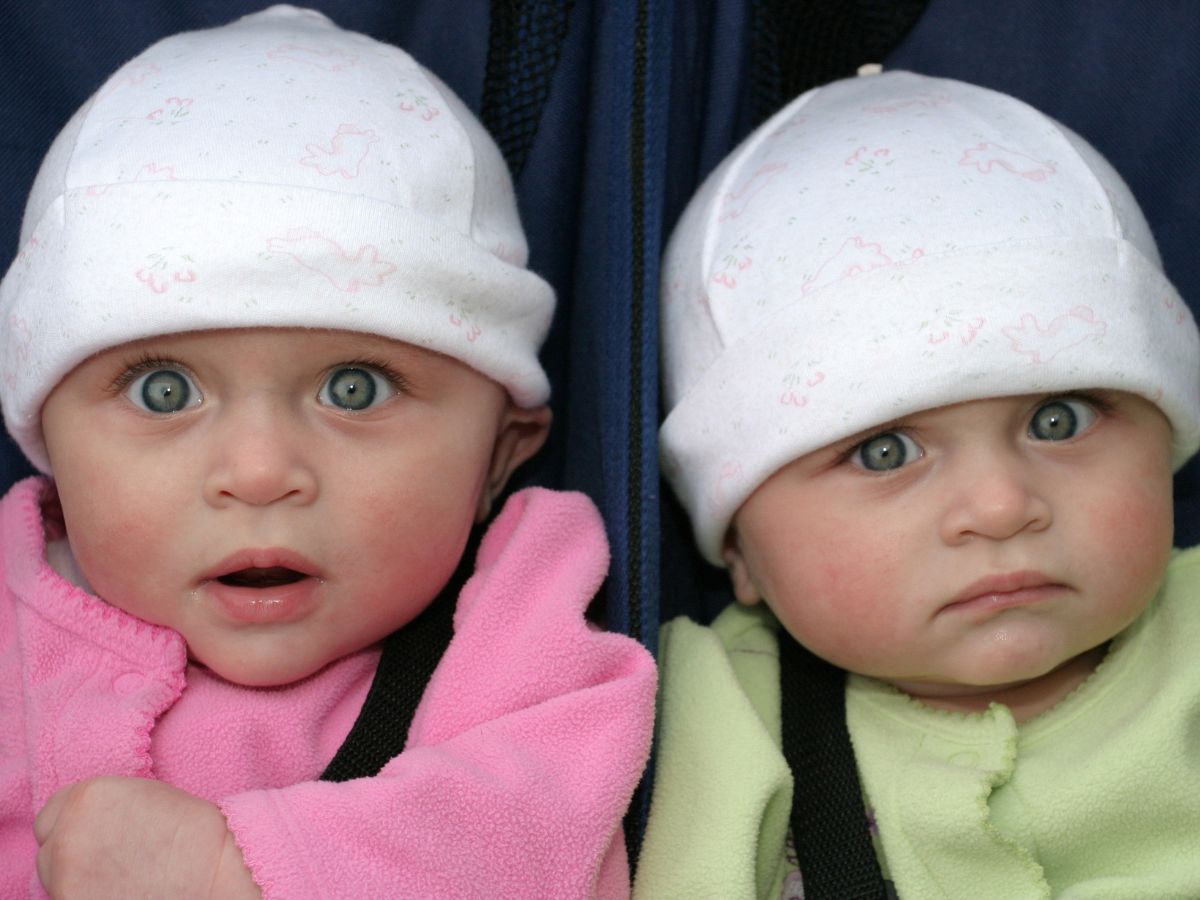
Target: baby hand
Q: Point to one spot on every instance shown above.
(131, 837)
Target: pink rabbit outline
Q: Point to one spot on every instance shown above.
(738, 200)
(1063, 332)
(352, 278)
(339, 159)
(985, 157)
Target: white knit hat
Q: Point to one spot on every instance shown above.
(893, 243)
(276, 171)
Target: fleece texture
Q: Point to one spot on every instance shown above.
(1095, 798)
(722, 789)
(520, 761)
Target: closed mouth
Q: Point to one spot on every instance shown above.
(1011, 589)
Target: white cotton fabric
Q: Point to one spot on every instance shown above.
(892, 243)
(277, 171)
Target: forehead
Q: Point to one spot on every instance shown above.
(986, 408)
(976, 416)
(222, 339)
(273, 348)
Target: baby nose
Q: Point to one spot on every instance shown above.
(261, 456)
(995, 499)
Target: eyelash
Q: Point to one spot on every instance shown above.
(136, 368)
(1102, 406)
(132, 370)
(845, 453)
(390, 375)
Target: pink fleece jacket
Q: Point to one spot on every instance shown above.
(520, 761)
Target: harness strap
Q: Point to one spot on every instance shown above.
(409, 657)
(829, 822)
(796, 45)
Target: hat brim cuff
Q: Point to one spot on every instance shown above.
(1002, 320)
(115, 263)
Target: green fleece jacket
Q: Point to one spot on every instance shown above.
(1098, 797)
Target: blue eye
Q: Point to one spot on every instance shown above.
(886, 452)
(163, 391)
(354, 388)
(1061, 419)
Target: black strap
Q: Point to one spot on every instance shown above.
(525, 40)
(829, 822)
(409, 657)
(799, 44)
(796, 45)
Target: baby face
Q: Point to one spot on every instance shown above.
(281, 498)
(980, 545)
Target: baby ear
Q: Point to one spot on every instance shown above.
(519, 436)
(745, 591)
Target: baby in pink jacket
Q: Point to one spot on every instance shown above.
(271, 337)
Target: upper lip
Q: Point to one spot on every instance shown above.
(261, 558)
(1005, 583)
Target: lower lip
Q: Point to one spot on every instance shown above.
(265, 606)
(994, 602)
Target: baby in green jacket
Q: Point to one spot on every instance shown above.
(927, 387)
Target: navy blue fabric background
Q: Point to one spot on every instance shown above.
(649, 95)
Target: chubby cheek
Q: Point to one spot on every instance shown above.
(411, 522)
(1132, 530)
(116, 546)
(409, 534)
(834, 599)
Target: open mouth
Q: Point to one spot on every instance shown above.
(253, 577)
